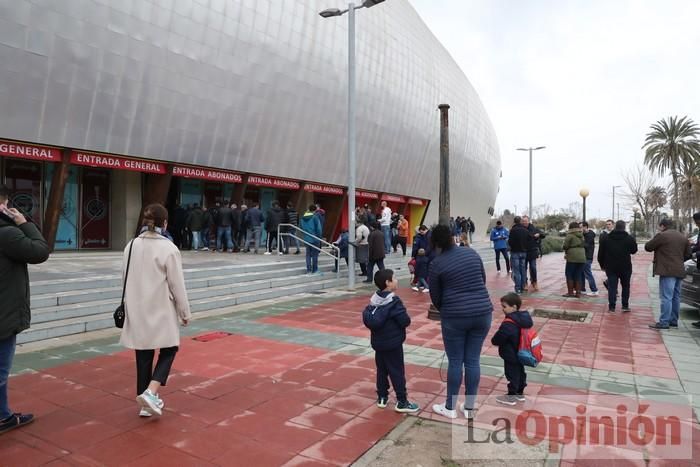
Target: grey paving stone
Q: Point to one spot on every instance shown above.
(658, 383)
(613, 388)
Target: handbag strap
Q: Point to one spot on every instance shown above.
(126, 275)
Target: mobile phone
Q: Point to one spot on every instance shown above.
(7, 212)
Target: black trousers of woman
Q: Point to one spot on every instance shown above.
(145, 373)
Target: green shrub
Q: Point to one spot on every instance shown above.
(551, 243)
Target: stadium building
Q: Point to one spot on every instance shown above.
(108, 105)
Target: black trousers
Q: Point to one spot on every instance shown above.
(402, 242)
(370, 267)
(145, 373)
(390, 365)
(272, 240)
(336, 264)
(624, 277)
(531, 262)
(504, 252)
(516, 376)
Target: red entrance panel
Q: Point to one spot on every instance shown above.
(95, 203)
(23, 178)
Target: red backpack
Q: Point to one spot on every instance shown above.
(530, 346)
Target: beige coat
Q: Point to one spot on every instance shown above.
(156, 299)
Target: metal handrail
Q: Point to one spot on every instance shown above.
(308, 244)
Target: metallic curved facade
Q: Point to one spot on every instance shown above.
(250, 85)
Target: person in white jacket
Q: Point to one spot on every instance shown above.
(362, 244)
(386, 227)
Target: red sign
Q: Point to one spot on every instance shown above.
(418, 202)
(394, 198)
(366, 194)
(108, 161)
(29, 151)
(273, 182)
(207, 174)
(315, 187)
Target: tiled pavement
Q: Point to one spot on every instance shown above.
(293, 382)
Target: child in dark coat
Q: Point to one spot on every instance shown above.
(387, 318)
(507, 338)
(422, 267)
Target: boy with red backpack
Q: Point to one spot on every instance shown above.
(518, 345)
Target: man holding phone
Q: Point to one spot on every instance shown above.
(21, 243)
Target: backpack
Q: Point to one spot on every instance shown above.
(412, 266)
(530, 346)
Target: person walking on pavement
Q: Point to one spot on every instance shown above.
(386, 227)
(609, 227)
(499, 237)
(224, 221)
(377, 250)
(575, 255)
(615, 258)
(275, 217)
(21, 243)
(671, 250)
(254, 222)
(533, 251)
(589, 245)
(402, 228)
(311, 225)
(195, 224)
(472, 229)
(156, 305)
(236, 226)
(206, 223)
(518, 240)
(362, 242)
(293, 219)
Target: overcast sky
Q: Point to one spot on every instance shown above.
(585, 78)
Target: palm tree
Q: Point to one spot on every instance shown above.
(672, 145)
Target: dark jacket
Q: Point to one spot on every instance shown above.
(376, 245)
(224, 218)
(292, 216)
(419, 241)
(237, 217)
(207, 220)
(19, 246)
(343, 243)
(387, 318)
(422, 267)
(275, 217)
(615, 250)
(195, 220)
(671, 249)
(458, 284)
(507, 338)
(253, 218)
(589, 244)
(533, 243)
(518, 239)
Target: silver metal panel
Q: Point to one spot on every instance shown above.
(256, 86)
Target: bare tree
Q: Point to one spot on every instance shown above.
(644, 193)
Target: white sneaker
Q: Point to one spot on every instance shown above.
(426, 291)
(150, 403)
(145, 413)
(415, 289)
(205, 249)
(442, 410)
(469, 414)
(592, 294)
(267, 253)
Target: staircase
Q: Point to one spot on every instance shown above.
(82, 301)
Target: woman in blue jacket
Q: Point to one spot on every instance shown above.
(458, 290)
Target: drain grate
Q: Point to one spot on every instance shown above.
(211, 336)
(564, 315)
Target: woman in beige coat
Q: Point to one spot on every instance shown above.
(156, 305)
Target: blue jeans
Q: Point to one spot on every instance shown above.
(588, 276)
(223, 233)
(254, 234)
(7, 353)
(531, 261)
(205, 237)
(670, 294)
(312, 257)
(518, 261)
(386, 230)
(196, 237)
(463, 339)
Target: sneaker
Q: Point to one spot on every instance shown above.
(297, 252)
(382, 402)
(150, 402)
(520, 397)
(626, 309)
(415, 289)
(267, 253)
(407, 407)
(611, 309)
(15, 420)
(445, 412)
(205, 249)
(507, 399)
(145, 413)
(426, 290)
(672, 325)
(657, 326)
(469, 414)
(593, 294)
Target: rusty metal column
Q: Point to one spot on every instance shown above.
(444, 195)
(54, 205)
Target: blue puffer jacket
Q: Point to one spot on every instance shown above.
(419, 241)
(387, 318)
(422, 267)
(458, 284)
(507, 338)
(499, 237)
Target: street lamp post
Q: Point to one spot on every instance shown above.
(613, 208)
(584, 194)
(529, 209)
(329, 13)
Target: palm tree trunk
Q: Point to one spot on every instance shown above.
(676, 203)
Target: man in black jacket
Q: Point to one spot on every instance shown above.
(224, 221)
(292, 218)
(533, 251)
(195, 224)
(589, 246)
(518, 241)
(21, 243)
(614, 257)
(275, 217)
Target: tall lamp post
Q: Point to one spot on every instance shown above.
(613, 208)
(584, 194)
(329, 13)
(529, 209)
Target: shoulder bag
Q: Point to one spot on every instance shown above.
(120, 312)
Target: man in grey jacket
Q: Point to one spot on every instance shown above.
(21, 243)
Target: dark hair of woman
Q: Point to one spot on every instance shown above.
(442, 237)
(154, 215)
(574, 225)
